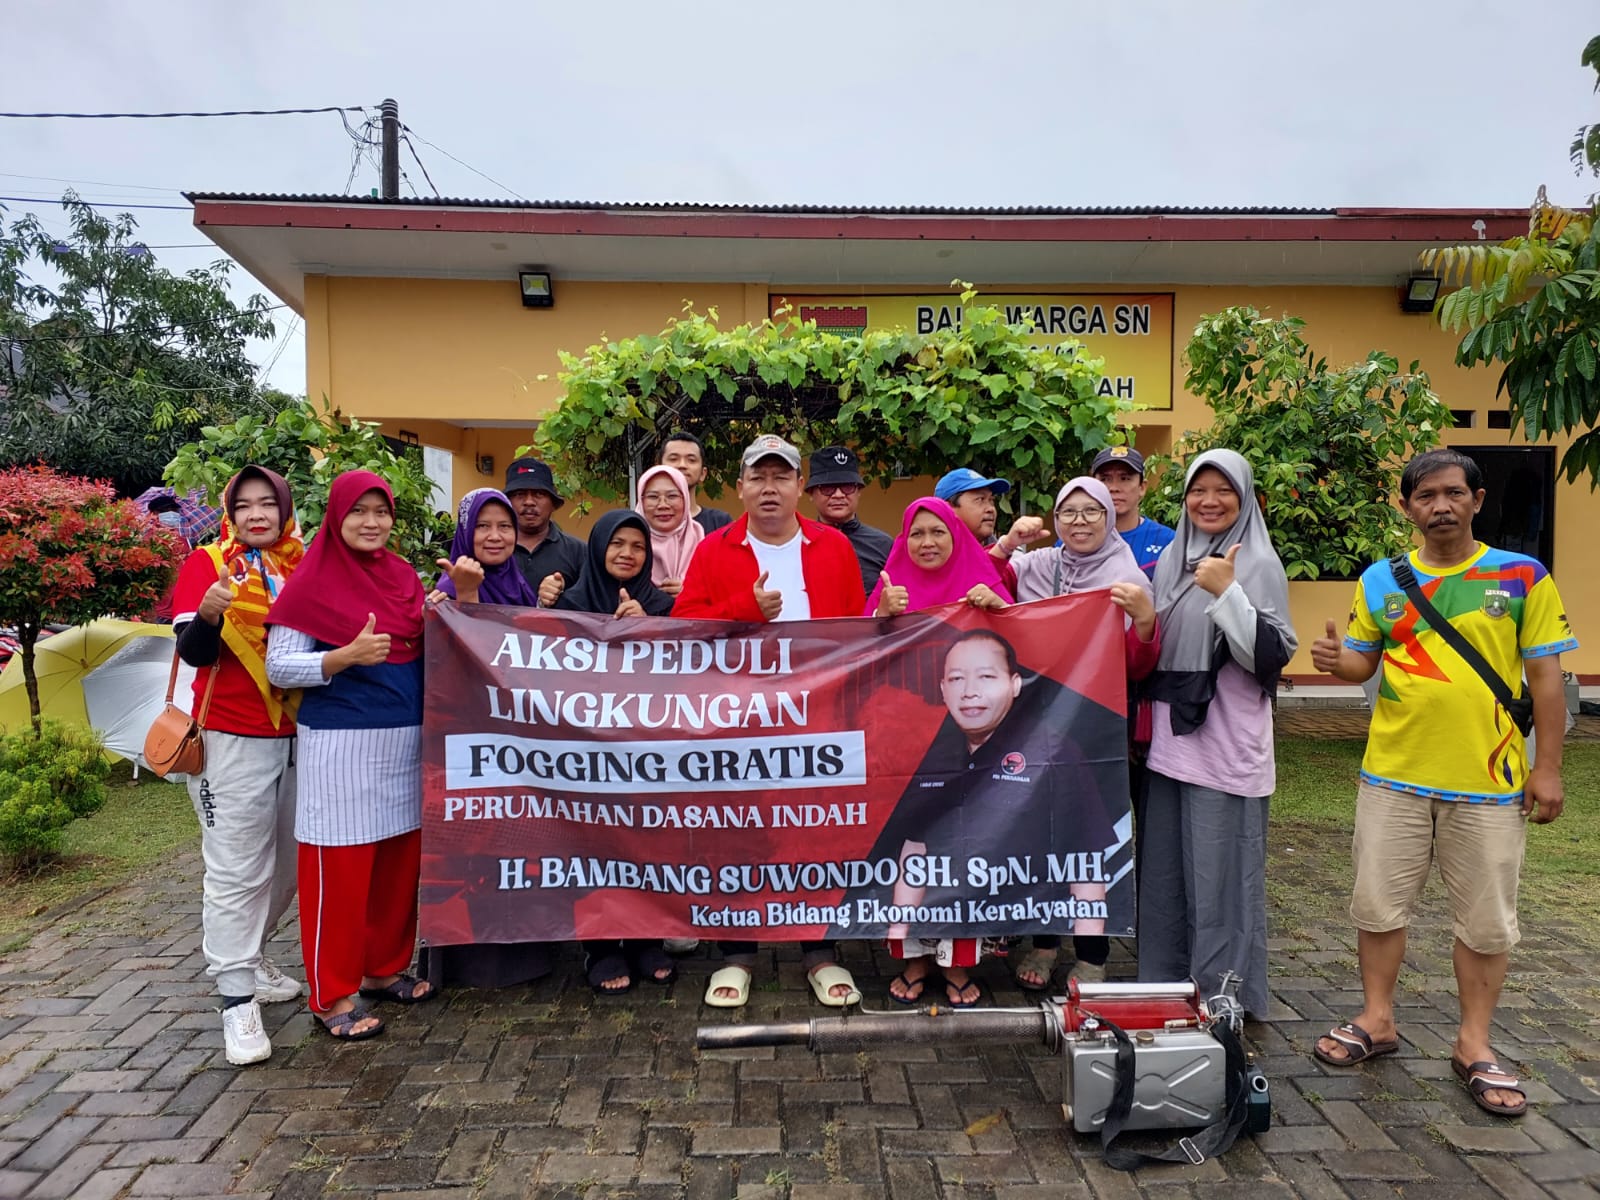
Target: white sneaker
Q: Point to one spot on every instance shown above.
(243, 1039)
(680, 945)
(272, 985)
(1088, 972)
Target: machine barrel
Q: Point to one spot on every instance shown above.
(864, 1030)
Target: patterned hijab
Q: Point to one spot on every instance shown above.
(257, 576)
(969, 564)
(504, 584)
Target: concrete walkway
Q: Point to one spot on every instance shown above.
(112, 1081)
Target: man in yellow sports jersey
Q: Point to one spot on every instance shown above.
(1446, 774)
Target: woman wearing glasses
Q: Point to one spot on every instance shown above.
(1091, 555)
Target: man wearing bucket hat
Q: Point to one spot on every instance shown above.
(1121, 469)
(550, 559)
(834, 487)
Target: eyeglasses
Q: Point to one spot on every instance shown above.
(661, 497)
(1087, 516)
(838, 489)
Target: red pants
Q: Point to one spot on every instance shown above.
(358, 913)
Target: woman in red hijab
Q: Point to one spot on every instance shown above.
(347, 631)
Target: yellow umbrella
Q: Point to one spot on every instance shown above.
(65, 660)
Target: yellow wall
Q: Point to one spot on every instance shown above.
(436, 356)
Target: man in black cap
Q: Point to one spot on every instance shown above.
(548, 558)
(834, 485)
(1121, 469)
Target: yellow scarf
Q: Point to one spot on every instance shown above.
(257, 576)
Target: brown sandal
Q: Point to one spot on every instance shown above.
(1488, 1076)
(1358, 1046)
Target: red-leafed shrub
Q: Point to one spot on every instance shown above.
(70, 551)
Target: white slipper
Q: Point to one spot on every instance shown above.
(735, 979)
(829, 976)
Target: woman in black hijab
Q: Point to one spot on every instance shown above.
(616, 580)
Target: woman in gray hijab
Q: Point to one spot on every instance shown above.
(1223, 603)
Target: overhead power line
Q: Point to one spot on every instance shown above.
(93, 204)
(164, 116)
(407, 129)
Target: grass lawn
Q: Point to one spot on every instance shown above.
(142, 824)
(1315, 806)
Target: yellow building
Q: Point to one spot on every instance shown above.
(414, 313)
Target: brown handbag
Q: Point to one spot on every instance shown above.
(175, 743)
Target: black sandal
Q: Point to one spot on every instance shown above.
(610, 966)
(341, 1026)
(401, 990)
(653, 959)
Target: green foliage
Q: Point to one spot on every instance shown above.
(47, 781)
(117, 363)
(1585, 148)
(70, 551)
(308, 446)
(1532, 305)
(1327, 445)
(976, 395)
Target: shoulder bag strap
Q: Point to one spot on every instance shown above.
(205, 700)
(1209, 1142)
(1400, 567)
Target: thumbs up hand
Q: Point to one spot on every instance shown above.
(770, 603)
(1215, 574)
(368, 648)
(466, 573)
(892, 600)
(1326, 650)
(218, 597)
(627, 606)
(550, 589)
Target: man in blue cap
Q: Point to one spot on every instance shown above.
(974, 498)
(549, 559)
(1121, 469)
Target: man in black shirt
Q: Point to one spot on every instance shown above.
(686, 452)
(834, 485)
(549, 559)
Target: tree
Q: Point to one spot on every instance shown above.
(70, 551)
(1327, 445)
(106, 370)
(1532, 305)
(907, 403)
(308, 446)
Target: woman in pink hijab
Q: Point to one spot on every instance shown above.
(666, 504)
(934, 561)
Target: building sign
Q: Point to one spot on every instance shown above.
(1131, 332)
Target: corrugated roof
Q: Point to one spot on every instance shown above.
(1038, 210)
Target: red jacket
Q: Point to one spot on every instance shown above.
(721, 579)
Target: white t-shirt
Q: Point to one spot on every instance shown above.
(782, 567)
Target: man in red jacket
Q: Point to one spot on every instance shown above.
(773, 565)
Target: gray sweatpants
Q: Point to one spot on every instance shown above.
(1203, 888)
(244, 799)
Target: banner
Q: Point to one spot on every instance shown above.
(1132, 332)
(947, 773)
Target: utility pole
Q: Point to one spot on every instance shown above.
(391, 149)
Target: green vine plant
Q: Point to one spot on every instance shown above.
(1327, 445)
(978, 394)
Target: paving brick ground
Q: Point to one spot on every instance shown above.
(112, 1081)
